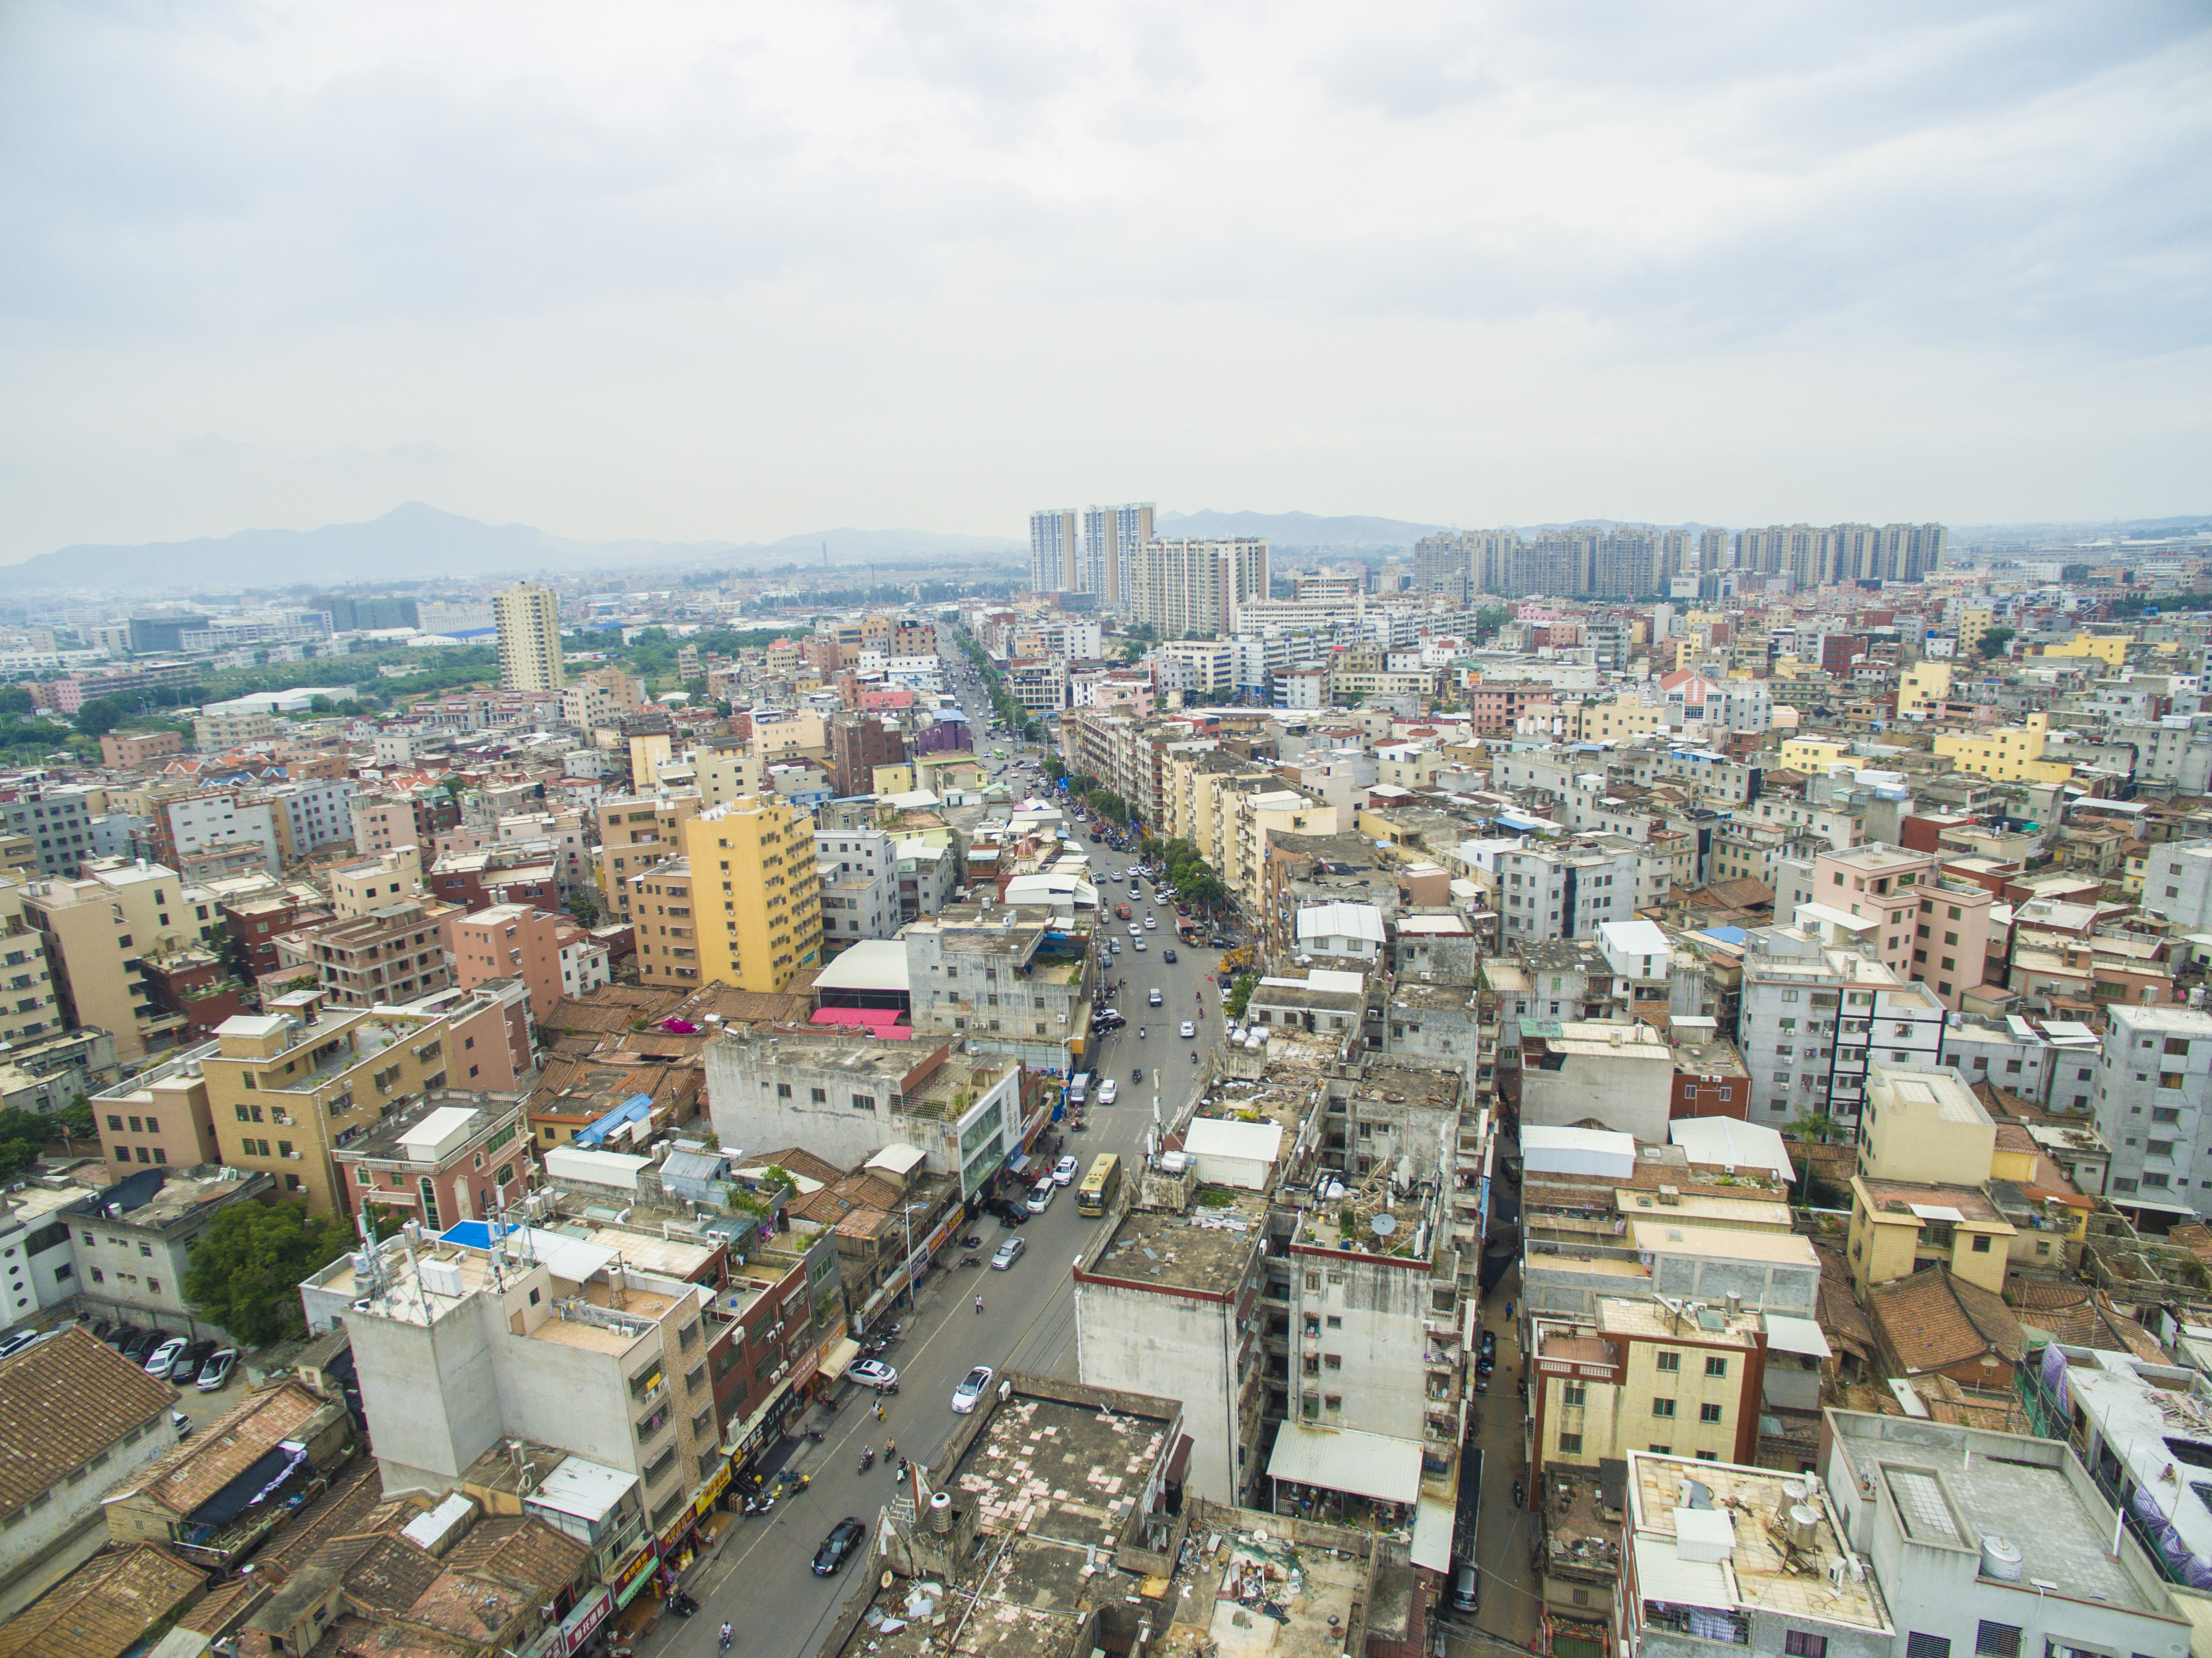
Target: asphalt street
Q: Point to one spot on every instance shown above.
(760, 1576)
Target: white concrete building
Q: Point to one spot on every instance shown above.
(859, 886)
(846, 1096)
(2178, 883)
(547, 1339)
(1987, 1542)
(1567, 891)
(1812, 1017)
(2153, 1091)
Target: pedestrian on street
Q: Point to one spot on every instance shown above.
(979, 1303)
(879, 1409)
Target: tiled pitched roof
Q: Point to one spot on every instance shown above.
(104, 1608)
(1840, 1314)
(1933, 1319)
(227, 1447)
(61, 1403)
(391, 1576)
(525, 1552)
(2081, 1317)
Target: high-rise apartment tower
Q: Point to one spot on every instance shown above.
(529, 623)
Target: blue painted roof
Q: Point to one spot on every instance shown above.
(1727, 935)
(635, 1109)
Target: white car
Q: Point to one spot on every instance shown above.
(164, 1358)
(1040, 1195)
(1150, 924)
(871, 1373)
(1108, 1090)
(1138, 946)
(972, 1388)
(1063, 1172)
(1190, 1028)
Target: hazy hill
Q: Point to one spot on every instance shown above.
(1296, 529)
(418, 542)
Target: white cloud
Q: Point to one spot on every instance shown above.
(699, 270)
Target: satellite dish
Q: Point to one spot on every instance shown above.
(1382, 1225)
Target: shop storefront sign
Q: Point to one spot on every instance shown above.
(580, 1624)
(635, 1575)
(714, 1488)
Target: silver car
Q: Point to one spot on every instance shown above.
(972, 1388)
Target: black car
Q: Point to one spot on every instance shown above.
(140, 1347)
(1490, 1344)
(1009, 1214)
(842, 1543)
(1168, 956)
(121, 1336)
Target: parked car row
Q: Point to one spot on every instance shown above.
(173, 1358)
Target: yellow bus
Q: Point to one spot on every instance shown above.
(1095, 1195)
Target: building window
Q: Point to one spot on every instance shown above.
(1918, 1645)
(1669, 1362)
(1716, 1367)
(1997, 1640)
(1799, 1644)
(1570, 1444)
(1663, 1407)
(1709, 1413)
(1573, 1395)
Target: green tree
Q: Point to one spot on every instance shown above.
(99, 716)
(1995, 640)
(13, 699)
(245, 1272)
(23, 1136)
(1242, 995)
(1110, 805)
(1489, 619)
(584, 907)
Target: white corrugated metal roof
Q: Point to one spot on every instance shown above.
(1661, 1573)
(1218, 1137)
(1342, 920)
(1796, 1335)
(871, 964)
(1432, 1533)
(1345, 1460)
(1731, 1144)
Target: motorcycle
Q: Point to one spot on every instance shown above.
(972, 1240)
(971, 1259)
(682, 1604)
(1078, 1128)
(761, 1505)
(867, 1458)
(817, 1435)
(1518, 1495)
(1141, 1033)
(794, 1482)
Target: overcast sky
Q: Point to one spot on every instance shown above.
(746, 270)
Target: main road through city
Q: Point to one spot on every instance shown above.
(760, 1576)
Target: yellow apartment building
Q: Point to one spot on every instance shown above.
(98, 930)
(636, 833)
(1922, 683)
(286, 1087)
(764, 923)
(658, 902)
(1814, 755)
(1643, 1376)
(2111, 649)
(1625, 718)
(2008, 754)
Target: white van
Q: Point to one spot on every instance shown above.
(1077, 1086)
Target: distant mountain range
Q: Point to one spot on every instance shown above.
(416, 543)
(1296, 529)
(420, 543)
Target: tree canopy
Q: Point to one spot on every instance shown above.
(25, 1134)
(1995, 640)
(246, 1268)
